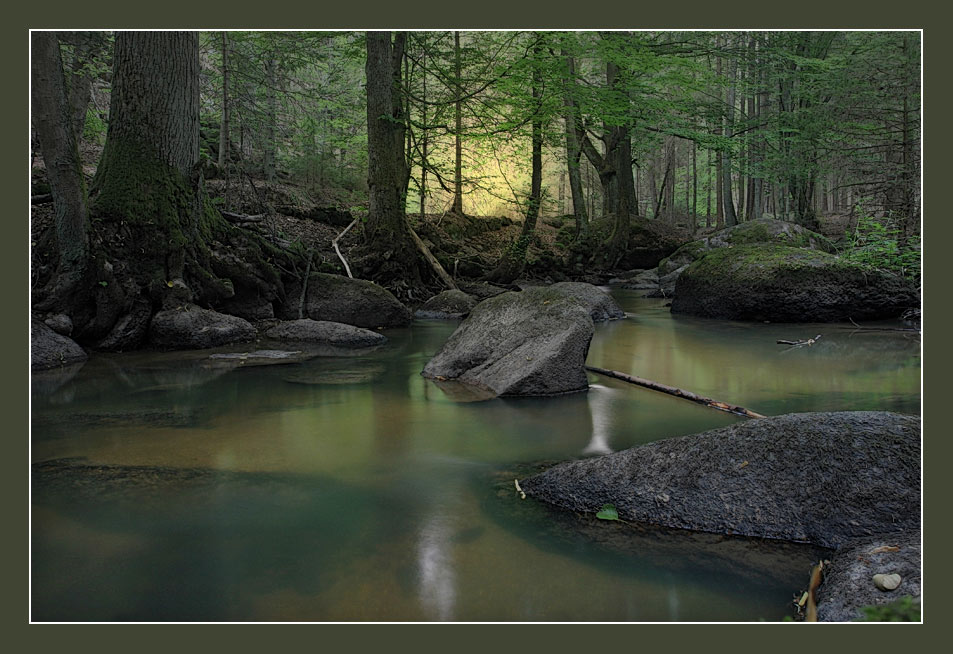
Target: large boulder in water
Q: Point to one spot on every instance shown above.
(325, 332)
(784, 284)
(532, 342)
(358, 302)
(193, 328)
(822, 478)
(51, 350)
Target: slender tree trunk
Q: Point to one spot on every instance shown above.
(708, 177)
(81, 80)
(57, 136)
(731, 217)
(423, 136)
(458, 130)
(224, 139)
(573, 153)
(694, 210)
(271, 120)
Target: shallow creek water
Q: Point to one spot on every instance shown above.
(352, 489)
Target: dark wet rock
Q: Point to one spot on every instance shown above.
(51, 350)
(60, 323)
(784, 284)
(447, 305)
(529, 343)
(655, 552)
(849, 577)
(194, 328)
(600, 304)
(822, 478)
(358, 302)
(130, 330)
(323, 331)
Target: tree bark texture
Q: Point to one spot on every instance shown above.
(57, 136)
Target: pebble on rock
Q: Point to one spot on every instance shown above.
(887, 582)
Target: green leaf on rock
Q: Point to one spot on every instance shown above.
(608, 512)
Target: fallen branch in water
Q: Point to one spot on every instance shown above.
(347, 268)
(810, 341)
(677, 392)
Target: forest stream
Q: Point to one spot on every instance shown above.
(353, 489)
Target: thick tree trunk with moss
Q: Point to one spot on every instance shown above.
(54, 127)
(392, 254)
(156, 240)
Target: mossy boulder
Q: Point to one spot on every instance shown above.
(763, 230)
(820, 478)
(447, 305)
(784, 284)
(532, 342)
(336, 298)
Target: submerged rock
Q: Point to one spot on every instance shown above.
(51, 350)
(849, 579)
(358, 302)
(533, 342)
(194, 328)
(822, 478)
(447, 305)
(784, 284)
(324, 331)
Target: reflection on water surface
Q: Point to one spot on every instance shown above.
(353, 489)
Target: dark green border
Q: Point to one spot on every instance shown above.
(58, 14)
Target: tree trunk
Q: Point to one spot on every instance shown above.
(271, 146)
(224, 139)
(387, 231)
(157, 236)
(458, 129)
(423, 136)
(81, 80)
(731, 218)
(573, 154)
(57, 136)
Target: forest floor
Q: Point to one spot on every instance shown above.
(467, 246)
